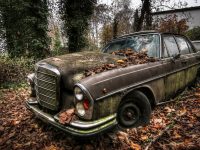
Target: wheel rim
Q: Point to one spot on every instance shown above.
(129, 115)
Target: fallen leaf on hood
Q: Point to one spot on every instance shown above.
(120, 61)
(131, 57)
(112, 65)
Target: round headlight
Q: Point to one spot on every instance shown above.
(80, 109)
(78, 93)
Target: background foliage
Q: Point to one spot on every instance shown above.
(25, 27)
(194, 34)
(76, 15)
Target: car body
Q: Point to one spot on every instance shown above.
(121, 96)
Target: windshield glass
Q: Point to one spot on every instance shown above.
(149, 43)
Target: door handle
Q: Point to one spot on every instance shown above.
(184, 61)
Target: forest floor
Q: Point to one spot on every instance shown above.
(175, 126)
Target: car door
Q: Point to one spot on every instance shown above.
(174, 79)
(190, 59)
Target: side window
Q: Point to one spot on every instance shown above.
(183, 46)
(171, 45)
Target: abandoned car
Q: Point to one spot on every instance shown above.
(76, 94)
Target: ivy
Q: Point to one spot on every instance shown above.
(25, 24)
(76, 15)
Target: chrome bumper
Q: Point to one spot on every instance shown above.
(76, 128)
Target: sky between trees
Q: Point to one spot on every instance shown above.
(191, 3)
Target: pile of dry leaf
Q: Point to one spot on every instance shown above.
(173, 126)
(130, 58)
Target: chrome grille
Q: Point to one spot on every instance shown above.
(47, 86)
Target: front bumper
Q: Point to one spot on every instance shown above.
(76, 128)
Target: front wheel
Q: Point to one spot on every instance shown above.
(128, 114)
(134, 110)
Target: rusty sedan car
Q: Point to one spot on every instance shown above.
(122, 96)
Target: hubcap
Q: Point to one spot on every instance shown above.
(129, 115)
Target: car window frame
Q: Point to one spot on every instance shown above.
(191, 45)
(165, 47)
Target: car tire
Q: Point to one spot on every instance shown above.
(134, 110)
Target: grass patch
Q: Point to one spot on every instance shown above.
(13, 86)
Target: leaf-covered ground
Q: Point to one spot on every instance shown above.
(175, 125)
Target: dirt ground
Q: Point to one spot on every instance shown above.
(174, 126)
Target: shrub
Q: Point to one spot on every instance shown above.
(15, 70)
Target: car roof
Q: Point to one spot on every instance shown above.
(142, 32)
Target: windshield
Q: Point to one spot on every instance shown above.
(149, 43)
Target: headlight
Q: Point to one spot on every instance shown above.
(83, 105)
(78, 93)
(80, 109)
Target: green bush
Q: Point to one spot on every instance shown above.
(194, 34)
(15, 70)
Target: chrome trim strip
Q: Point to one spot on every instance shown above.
(46, 74)
(44, 95)
(78, 130)
(44, 80)
(91, 124)
(55, 75)
(84, 90)
(45, 102)
(45, 88)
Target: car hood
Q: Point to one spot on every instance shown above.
(72, 66)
